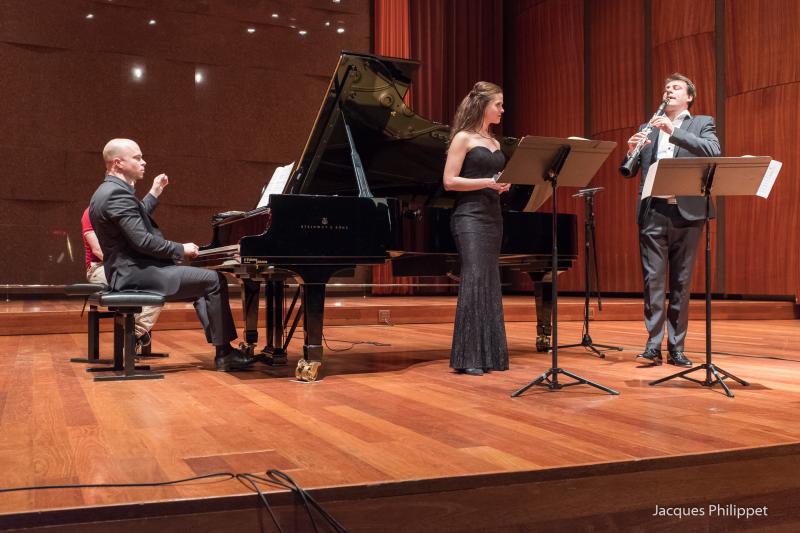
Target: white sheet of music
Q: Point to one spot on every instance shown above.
(276, 183)
(769, 178)
(648, 180)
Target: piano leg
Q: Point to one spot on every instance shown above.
(308, 369)
(251, 291)
(273, 352)
(543, 293)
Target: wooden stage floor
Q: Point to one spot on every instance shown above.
(392, 428)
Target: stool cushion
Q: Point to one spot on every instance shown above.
(127, 299)
(84, 289)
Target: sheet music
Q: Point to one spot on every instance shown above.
(276, 183)
(648, 180)
(769, 178)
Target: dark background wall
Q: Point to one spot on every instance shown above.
(216, 107)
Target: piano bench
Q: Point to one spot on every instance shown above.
(123, 305)
(92, 321)
(93, 325)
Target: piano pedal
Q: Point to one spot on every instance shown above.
(307, 370)
(272, 358)
(542, 343)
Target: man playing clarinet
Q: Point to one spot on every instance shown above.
(670, 227)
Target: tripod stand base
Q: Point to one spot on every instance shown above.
(553, 384)
(711, 369)
(587, 343)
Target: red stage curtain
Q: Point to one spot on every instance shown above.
(458, 43)
(391, 28)
(391, 38)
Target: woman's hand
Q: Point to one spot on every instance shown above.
(499, 187)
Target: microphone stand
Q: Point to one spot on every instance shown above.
(590, 266)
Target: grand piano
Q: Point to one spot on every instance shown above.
(367, 189)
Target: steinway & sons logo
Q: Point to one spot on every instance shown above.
(324, 225)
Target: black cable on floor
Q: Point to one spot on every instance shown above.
(274, 477)
(281, 479)
(352, 344)
(246, 479)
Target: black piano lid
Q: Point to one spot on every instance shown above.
(403, 154)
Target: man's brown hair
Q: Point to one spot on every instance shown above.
(690, 89)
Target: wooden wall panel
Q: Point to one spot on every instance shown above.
(762, 44)
(544, 90)
(694, 57)
(616, 101)
(67, 87)
(763, 87)
(763, 236)
(674, 19)
(760, 112)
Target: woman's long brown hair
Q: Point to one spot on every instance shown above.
(469, 115)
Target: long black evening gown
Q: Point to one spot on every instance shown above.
(479, 336)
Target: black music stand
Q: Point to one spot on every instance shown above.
(540, 160)
(590, 266)
(708, 176)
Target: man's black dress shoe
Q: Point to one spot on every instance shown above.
(652, 355)
(470, 371)
(678, 359)
(229, 358)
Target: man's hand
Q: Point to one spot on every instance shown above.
(190, 249)
(635, 139)
(159, 182)
(663, 123)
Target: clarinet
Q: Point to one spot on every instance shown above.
(630, 165)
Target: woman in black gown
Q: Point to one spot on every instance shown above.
(473, 159)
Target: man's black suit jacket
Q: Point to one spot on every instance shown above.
(135, 252)
(696, 137)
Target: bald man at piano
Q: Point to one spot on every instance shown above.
(136, 256)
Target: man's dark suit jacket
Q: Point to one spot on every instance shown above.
(135, 252)
(695, 138)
